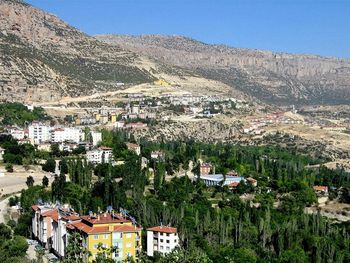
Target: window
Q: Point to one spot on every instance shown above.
(161, 247)
(162, 240)
(95, 237)
(167, 248)
(95, 246)
(161, 234)
(167, 234)
(105, 236)
(168, 241)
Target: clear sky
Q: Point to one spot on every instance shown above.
(295, 26)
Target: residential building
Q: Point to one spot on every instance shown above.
(2, 151)
(219, 179)
(321, 190)
(134, 147)
(252, 181)
(52, 226)
(96, 137)
(39, 132)
(205, 168)
(136, 125)
(163, 239)
(100, 155)
(17, 134)
(72, 134)
(42, 224)
(110, 230)
(157, 155)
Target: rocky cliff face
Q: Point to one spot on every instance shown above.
(273, 77)
(43, 59)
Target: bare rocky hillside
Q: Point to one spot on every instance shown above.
(272, 77)
(42, 58)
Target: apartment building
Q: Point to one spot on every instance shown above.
(109, 230)
(52, 226)
(39, 132)
(100, 155)
(163, 239)
(72, 134)
(96, 137)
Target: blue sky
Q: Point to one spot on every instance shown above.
(295, 26)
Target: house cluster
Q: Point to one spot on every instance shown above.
(39, 133)
(232, 179)
(53, 225)
(255, 126)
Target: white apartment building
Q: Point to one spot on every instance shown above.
(38, 132)
(100, 155)
(67, 134)
(42, 221)
(163, 239)
(49, 227)
(96, 137)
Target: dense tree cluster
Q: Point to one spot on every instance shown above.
(13, 113)
(215, 224)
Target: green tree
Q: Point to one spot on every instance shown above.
(75, 252)
(50, 165)
(30, 181)
(45, 181)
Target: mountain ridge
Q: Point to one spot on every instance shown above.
(272, 77)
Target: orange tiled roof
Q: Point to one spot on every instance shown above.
(163, 229)
(53, 213)
(105, 219)
(35, 207)
(101, 229)
(320, 188)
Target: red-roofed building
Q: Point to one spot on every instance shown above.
(134, 147)
(321, 190)
(205, 168)
(52, 227)
(163, 239)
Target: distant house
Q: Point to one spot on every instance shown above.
(205, 168)
(100, 155)
(252, 181)
(134, 147)
(321, 190)
(2, 151)
(157, 155)
(163, 239)
(136, 125)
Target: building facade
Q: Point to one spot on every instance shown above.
(39, 133)
(162, 239)
(52, 226)
(100, 155)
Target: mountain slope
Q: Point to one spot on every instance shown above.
(43, 59)
(277, 78)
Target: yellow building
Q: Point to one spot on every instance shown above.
(97, 116)
(161, 82)
(113, 117)
(111, 231)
